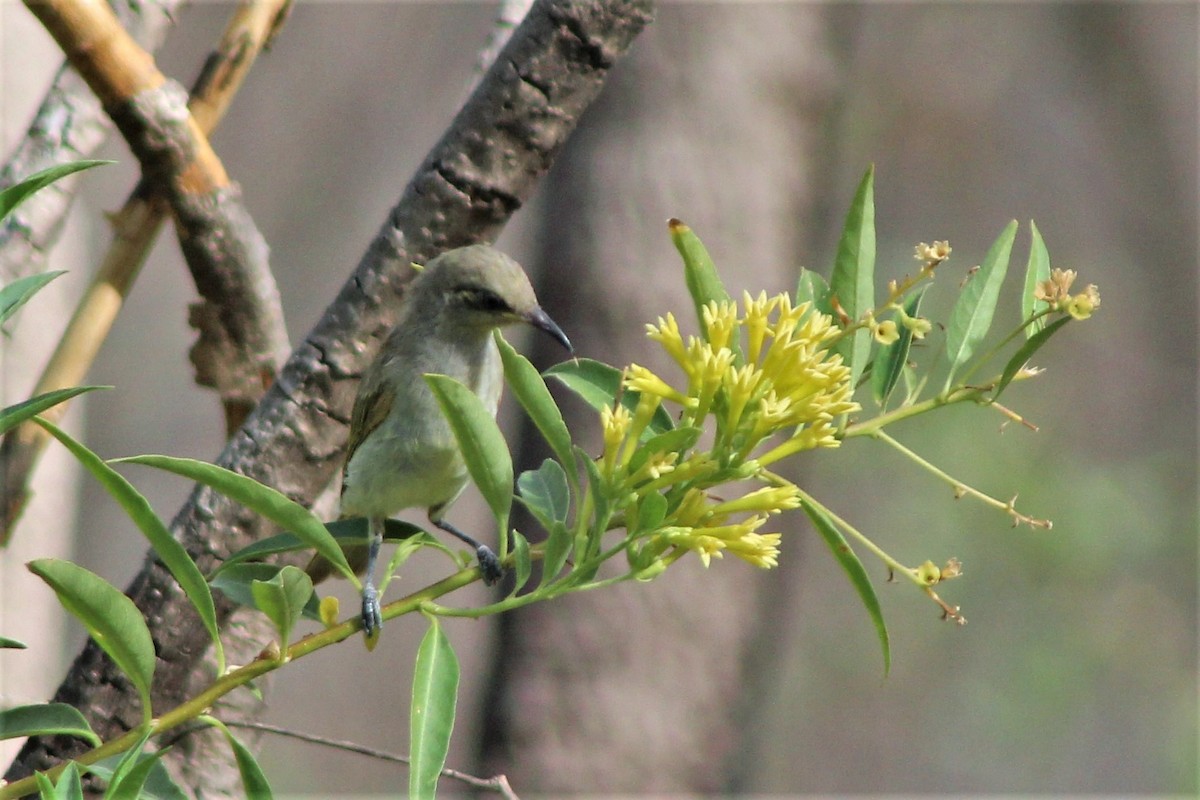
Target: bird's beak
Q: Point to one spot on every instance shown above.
(541, 320)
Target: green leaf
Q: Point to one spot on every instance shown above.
(46, 719)
(651, 513)
(110, 617)
(812, 288)
(14, 195)
(131, 783)
(557, 551)
(890, 361)
(699, 273)
(70, 786)
(972, 315)
(11, 644)
(855, 571)
(531, 392)
(483, 447)
(853, 278)
(347, 532)
(545, 493)
(282, 599)
(17, 413)
(1036, 271)
(168, 549)
(599, 384)
(434, 697)
(588, 541)
(1022, 356)
(254, 780)
(158, 784)
(17, 293)
(522, 562)
(237, 583)
(679, 441)
(262, 499)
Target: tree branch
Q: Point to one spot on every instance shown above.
(135, 228)
(485, 166)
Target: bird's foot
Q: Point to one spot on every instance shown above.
(489, 565)
(372, 614)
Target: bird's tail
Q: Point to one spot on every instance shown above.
(320, 568)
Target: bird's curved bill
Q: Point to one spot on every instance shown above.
(541, 320)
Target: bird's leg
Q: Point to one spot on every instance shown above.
(372, 614)
(489, 563)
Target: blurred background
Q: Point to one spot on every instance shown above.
(753, 123)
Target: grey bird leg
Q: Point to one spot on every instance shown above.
(372, 614)
(489, 564)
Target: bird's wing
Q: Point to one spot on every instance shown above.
(371, 408)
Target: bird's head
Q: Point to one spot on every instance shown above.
(481, 288)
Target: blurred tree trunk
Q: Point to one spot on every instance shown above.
(641, 688)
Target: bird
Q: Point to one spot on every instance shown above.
(402, 453)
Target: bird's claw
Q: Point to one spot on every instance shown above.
(489, 565)
(372, 614)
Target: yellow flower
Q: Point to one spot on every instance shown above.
(932, 254)
(640, 379)
(885, 332)
(1083, 304)
(720, 323)
(666, 333)
(740, 539)
(1055, 289)
(614, 423)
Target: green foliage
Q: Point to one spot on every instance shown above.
(972, 316)
(165, 546)
(434, 697)
(774, 379)
(852, 282)
(599, 385)
(45, 719)
(18, 193)
(111, 619)
(483, 446)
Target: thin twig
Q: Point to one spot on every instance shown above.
(498, 784)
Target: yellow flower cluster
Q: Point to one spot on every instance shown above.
(765, 371)
(1056, 292)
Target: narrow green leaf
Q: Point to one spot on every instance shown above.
(588, 541)
(679, 440)
(14, 195)
(237, 584)
(348, 532)
(17, 413)
(254, 780)
(17, 293)
(855, 571)
(1022, 356)
(812, 288)
(262, 499)
(434, 697)
(166, 547)
(699, 272)
(70, 785)
(46, 719)
(1036, 271)
(545, 493)
(530, 389)
(110, 617)
(158, 785)
(973, 311)
(483, 447)
(853, 278)
(522, 562)
(282, 599)
(11, 644)
(131, 783)
(890, 360)
(599, 384)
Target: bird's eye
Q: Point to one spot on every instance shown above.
(478, 299)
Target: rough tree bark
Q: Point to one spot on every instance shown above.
(504, 139)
